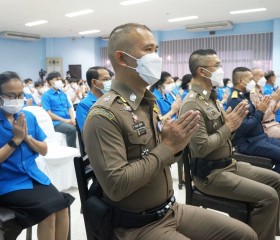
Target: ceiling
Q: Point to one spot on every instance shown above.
(109, 13)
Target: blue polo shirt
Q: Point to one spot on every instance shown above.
(57, 102)
(164, 102)
(83, 109)
(20, 168)
(268, 90)
(29, 96)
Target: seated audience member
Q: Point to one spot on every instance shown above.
(40, 89)
(224, 92)
(23, 187)
(167, 103)
(184, 89)
(270, 87)
(28, 91)
(131, 157)
(270, 126)
(56, 103)
(215, 172)
(99, 82)
(73, 92)
(176, 86)
(250, 138)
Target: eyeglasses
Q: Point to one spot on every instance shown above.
(13, 96)
(218, 65)
(104, 80)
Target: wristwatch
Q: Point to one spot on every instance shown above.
(12, 144)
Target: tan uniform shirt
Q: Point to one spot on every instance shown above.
(124, 146)
(212, 141)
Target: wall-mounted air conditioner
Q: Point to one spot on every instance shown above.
(210, 26)
(19, 36)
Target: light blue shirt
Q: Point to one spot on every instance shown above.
(57, 102)
(268, 90)
(29, 96)
(20, 168)
(83, 109)
(164, 102)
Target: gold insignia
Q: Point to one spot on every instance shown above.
(100, 111)
(234, 94)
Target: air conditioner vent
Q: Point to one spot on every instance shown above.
(210, 26)
(20, 36)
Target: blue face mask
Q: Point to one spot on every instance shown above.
(106, 86)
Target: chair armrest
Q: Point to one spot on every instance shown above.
(254, 160)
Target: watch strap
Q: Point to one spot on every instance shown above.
(12, 144)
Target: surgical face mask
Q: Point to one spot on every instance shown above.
(261, 82)
(30, 85)
(106, 86)
(168, 88)
(75, 86)
(58, 84)
(216, 77)
(250, 86)
(12, 106)
(230, 85)
(149, 67)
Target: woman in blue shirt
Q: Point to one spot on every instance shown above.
(168, 104)
(23, 187)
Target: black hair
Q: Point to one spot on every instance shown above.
(197, 59)
(92, 73)
(269, 74)
(175, 78)
(37, 84)
(111, 73)
(163, 77)
(236, 74)
(225, 81)
(185, 80)
(27, 80)
(53, 75)
(71, 80)
(6, 77)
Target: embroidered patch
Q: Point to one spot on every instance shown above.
(102, 112)
(234, 94)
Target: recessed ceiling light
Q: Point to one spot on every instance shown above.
(131, 2)
(78, 13)
(89, 32)
(182, 19)
(248, 11)
(36, 23)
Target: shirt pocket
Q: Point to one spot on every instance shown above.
(135, 139)
(213, 121)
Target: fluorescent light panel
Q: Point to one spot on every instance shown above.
(89, 32)
(248, 11)
(182, 19)
(78, 13)
(131, 2)
(31, 24)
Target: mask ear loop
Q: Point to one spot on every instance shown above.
(131, 57)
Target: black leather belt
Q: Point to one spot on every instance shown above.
(127, 219)
(203, 167)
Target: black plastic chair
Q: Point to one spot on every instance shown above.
(9, 229)
(235, 209)
(80, 139)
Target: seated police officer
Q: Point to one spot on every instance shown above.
(131, 151)
(215, 172)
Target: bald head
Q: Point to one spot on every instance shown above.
(258, 73)
(120, 40)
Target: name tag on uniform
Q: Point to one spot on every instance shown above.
(140, 128)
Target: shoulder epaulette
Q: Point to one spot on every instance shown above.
(234, 94)
(99, 111)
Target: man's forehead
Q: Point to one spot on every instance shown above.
(212, 58)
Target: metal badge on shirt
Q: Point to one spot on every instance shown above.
(140, 128)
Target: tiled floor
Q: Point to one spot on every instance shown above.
(77, 221)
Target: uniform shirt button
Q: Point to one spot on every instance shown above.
(144, 140)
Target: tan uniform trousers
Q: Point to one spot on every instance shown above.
(184, 222)
(250, 184)
(272, 131)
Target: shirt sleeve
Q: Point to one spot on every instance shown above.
(201, 142)
(106, 149)
(81, 115)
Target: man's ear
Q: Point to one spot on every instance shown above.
(200, 72)
(93, 82)
(119, 57)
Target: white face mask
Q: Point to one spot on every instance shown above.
(12, 106)
(250, 86)
(75, 86)
(30, 85)
(217, 77)
(168, 88)
(58, 84)
(230, 85)
(106, 86)
(149, 67)
(262, 82)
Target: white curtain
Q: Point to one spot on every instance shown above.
(251, 50)
(105, 62)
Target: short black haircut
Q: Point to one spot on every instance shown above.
(185, 80)
(92, 73)
(6, 77)
(196, 59)
(163, 77)
(27, 80)
(269, 74)
(225, 81)
(38, 84)
(53, 75)
(236, 74)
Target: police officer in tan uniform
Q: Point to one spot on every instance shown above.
(215, 172)
(131, 151)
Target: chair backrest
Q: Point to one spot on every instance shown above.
(81, 142)
(236, 209)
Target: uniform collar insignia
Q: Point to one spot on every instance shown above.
(132, 97)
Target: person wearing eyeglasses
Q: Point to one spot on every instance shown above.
(99, 82)
(23, 187)
(56, 103)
